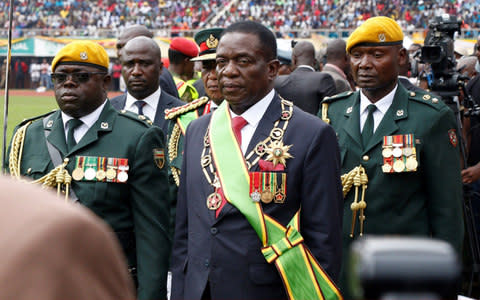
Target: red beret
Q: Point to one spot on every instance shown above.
(185, 46)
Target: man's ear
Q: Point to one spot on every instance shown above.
(402, 56)
(273, 67)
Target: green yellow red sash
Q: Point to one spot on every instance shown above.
(302, 275)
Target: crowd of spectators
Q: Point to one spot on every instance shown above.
(88, 17)
(284, 16)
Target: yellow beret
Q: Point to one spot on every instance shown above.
(376, 31)
(82, 53)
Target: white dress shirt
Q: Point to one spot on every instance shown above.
(87, 120)
(253, 115)
(151, 103)
(382, 106)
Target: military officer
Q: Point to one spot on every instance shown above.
(181, 116)
(399, 149)
(111, 162)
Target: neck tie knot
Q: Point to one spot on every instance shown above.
(237, 124)
(72, 125)
(140, 104)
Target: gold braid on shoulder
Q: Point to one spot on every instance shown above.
(173, 151)
(55, 178)
(358, 178)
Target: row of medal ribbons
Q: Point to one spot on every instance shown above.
(98, 168)
(399, 154)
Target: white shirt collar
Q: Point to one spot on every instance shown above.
(151, 103)
(87, 120)
(306, 66)
(254, 114)
(382, 105)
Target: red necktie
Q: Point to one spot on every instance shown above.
(237, 124)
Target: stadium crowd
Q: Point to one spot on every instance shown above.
(281, 15)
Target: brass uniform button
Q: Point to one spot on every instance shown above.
(366, 157)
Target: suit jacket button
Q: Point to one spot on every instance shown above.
(213, 230)
(366, 157)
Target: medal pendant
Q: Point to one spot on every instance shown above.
(279, 197)
(398, 166)
(100, 175)
(111, 174)
(407, 151)
(122, 176)
(77, 174)
(90, 174)
(256, 196)
(387, 152)
(386, 168)
(214, 200)
(411, 164)
(266, 196)
(397, 152)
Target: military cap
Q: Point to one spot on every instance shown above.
(86, 53)
(184, 46)
(376, 31)
(284, 56)
(207, 40)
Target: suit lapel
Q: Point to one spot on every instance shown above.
(57, 133)
(264, 127)
(163, 103)
(104, 123)
(397, 111)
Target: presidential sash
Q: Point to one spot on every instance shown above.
(302, 275)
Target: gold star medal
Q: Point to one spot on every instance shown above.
(278, 153)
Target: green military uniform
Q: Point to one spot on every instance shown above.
(420, 196)
(179, 118)
(131, 194)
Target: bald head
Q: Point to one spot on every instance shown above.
(336, 50)
(130, 33)
(142, 44)
(141, 66)
(303, 54)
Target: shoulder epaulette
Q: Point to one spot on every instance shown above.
(426, 98)
(139, 118)
(330, 99)
(180, 110)
(25, 121)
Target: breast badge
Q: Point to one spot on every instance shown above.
(278, 153)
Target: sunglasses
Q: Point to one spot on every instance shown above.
(80, 77)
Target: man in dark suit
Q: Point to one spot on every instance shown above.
(141, 67)
(112, 162)
(55, 250)
(338, 65)
(401, 145)
(233, 177)
(305, 87)
(166, 80)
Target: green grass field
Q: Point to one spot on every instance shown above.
(24, 107)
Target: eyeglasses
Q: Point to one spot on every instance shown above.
(80, 77)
